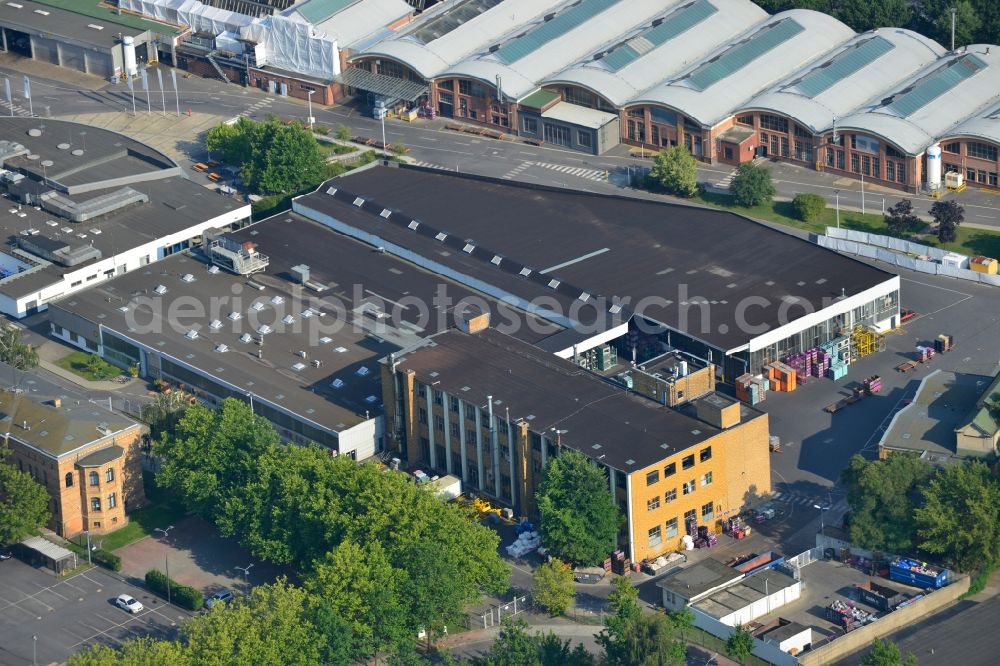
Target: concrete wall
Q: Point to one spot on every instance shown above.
(766, 651)
(862, 638)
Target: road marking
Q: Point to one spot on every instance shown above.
(431, 165)
(588, 174)
(583, 257)
(516, 171)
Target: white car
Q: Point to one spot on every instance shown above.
(128, 603)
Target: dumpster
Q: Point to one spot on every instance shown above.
(918, 574)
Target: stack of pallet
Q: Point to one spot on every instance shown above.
(863, 342)
(873, 384)
(821, 361)
(782, 377)
(802, 364)
(924, 354)
(750, 389)
(944, 343)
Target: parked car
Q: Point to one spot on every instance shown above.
(222, 596)
(5, 555)
(128, 603)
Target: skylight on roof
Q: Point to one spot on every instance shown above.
(743, 53)
(841, 66)
(935, 84)
(662, 31)
(560, 24)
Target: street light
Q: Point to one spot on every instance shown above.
(34, 650)
(836, 193)
(311, 120)
(246, 577)
(822, 510)
(166, 558)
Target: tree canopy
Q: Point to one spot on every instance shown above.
(675, 170)
(24, 503)
(15, 352)
(387, 556)
(633, 638)
(274, 158)
(554, 589)
(970, 494)
(947, 216)
(752, 185)
(579, 518)
(882, 495)
(899, 218)
(739, 645)
(886, 653)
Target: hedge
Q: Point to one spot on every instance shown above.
(181, 595)
(107, 559)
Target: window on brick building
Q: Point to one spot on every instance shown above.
(655, 537)
(689, 487)
(422, 415)
(687, 462)
(109, 474)
(706, 479)
(95, 479)
(95, 503)
(670, 470)
(69, 479)
(955, 148)
(983, 151)
(706, 512)
(672, 528)
(705, 454)
(652, 477)
(653, 504)
(112, 501)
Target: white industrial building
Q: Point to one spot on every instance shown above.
(84, 204)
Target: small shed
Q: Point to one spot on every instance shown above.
(37, 551)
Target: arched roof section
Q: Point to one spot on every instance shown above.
(984, 126)
(713, 90)
(451, 31)
(660, 49)
(956, 87)
(526, 56)
(865, 68)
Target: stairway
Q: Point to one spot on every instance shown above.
(211, 60)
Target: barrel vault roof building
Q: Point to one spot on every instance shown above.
(856, 73)
(714, 89)
(926, 106)
(674, 40)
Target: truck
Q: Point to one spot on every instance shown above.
(878, 596)
(917, 574)
(448, 486)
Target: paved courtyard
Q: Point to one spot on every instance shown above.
(197, 556)
(67, 615)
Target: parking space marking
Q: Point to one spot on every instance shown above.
(105, 632)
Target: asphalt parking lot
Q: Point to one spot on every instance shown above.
(67, 615)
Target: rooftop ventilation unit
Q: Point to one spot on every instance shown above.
(240, 258)
(160, 290)
(187, 277)
(264, 329)
(246, 338)
(215, 325)
(337, 383)
(301, 273)
(222, 348)
(191, 335)
(235, 316)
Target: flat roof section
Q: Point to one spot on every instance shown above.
(371, 304)
(81, 21)
(942, 404)
(699, 578)
(579, 115)
(744, 593)
(689, 268)
(597, 418)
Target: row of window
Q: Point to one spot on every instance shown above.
(975, 175)
(687, 462)
(669, 530)
(687, 488)
(94, 477)
(983, 151)
(95, 502)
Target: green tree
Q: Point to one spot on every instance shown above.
(514, 646)
(882, 495)
(676, 171)
(886, 653)
(274, 158)
(553, 651)
(554, 588)
(934, 20)
(15, 352)
(271, 627)
(947, 216)
(808, 206)
(864, 15)
(361, 586)
(752, 185)
(24, 503)
(900, 218)
(579, 518)
(212, 455)
(343, 132)
(143, 651)
(336, 638)
(968, 494)
(739, 645)
(632, 638)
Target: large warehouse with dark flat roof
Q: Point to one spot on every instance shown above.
(715, 284)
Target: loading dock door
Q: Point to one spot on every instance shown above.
(45, 50)
(98, 64)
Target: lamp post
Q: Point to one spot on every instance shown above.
(822, 510)
(310, 119)
(246, 577)
(385, 146)
(166, 558)
(88, 548)
(836, 193)
(34, 650)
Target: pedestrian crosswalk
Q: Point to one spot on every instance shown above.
(588, 174)
(516, 171)
(431, 165)
(726, 181)
(256, 106)
(19, 111)
(798, 499)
